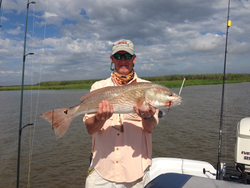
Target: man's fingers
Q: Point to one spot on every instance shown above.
(109, 109)
(145, 113)
(105, 110)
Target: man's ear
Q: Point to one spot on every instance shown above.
(134, 59)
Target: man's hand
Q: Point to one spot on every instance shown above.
(150, 122)
(105, 111)
(145, 113)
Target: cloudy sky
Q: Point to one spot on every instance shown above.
(71, 39)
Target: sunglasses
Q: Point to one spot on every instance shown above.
(126, 56)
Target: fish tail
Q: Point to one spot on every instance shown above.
(59, 119)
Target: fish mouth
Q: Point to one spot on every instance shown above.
(178, 100)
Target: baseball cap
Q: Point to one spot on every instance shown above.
(123, 45)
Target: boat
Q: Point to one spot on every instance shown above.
(177, 172)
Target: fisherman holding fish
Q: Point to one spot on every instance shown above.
(121, 143)
(120, 120)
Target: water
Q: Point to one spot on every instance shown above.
(188, 131)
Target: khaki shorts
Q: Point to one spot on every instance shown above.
(94, 180)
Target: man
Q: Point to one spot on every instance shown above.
(121, 143)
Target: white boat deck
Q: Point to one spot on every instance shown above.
(175, 172)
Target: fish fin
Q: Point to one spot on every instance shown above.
(90, 94)
(141, 104)
(59, 120)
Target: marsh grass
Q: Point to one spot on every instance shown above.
(170, 81)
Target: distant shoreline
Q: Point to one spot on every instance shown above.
(170, 81)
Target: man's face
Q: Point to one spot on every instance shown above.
(123, 66)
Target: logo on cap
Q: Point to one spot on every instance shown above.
(122, 43)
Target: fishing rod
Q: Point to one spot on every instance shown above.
(21, 105)
(219, 164)
(2, 12)
(182, 86)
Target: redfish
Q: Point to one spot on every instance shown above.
(123, 99)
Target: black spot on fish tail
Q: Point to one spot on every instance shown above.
(65, 111)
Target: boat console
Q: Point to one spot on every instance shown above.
(242, 148)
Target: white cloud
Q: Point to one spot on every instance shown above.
(49, 15)
(16, 31)
(207, 43)
(3, 18)
(7, 72)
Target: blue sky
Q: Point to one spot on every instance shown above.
(71, 40)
